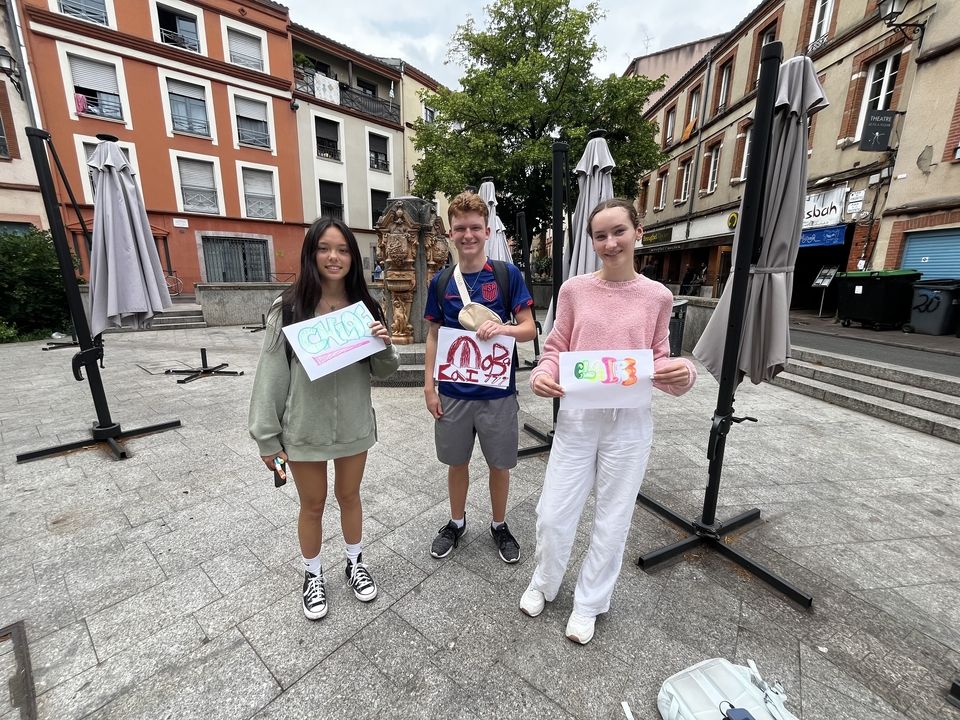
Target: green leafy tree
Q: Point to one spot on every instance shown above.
(32, 297)
(528, 78)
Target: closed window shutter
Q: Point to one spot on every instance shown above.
(327, 129)
(257, 182)
(94, 75)
(244, 44)
(196, 173)
(189, 90)
(330, 193)
(251, 109)
(378, 143)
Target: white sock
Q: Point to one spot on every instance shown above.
(353, 551)
(459, 523)
(495, 525)
(313, 565)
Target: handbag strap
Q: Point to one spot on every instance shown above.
(461, 286)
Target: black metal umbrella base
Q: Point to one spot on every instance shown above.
(545, 438)
(108, 434)
(712, 536)
(203, 371)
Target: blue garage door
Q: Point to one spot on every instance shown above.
(935, 254)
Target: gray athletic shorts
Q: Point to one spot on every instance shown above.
(493, 421)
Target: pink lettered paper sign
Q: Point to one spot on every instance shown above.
(606, 379)
(463, 358)
(330, 342)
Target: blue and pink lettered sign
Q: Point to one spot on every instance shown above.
(606, 379)
(330, 342)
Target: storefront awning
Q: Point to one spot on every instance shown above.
(684, 245)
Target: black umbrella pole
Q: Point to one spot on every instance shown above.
(524, 240)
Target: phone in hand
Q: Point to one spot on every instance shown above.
(279, 472)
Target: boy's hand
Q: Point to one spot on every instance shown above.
(489, 329)
(546, 386)
(433, 402)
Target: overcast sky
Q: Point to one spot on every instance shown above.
(420, 32)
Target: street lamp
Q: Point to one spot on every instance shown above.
(8, 66)
(890, 10)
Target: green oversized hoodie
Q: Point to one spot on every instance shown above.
(328, 418)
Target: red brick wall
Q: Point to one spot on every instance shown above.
(953, 135)
(858, 82)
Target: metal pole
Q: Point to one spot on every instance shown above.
(559, 194)
(748, 241)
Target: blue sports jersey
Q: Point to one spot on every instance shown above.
(486, 292)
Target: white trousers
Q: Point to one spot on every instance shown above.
(601, 450)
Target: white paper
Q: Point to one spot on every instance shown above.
(462, 357)
(606, 379)
(330, 342)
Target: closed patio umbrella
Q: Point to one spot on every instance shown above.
(126, 279)
(497, 246)
(765, 344)
(595, 181)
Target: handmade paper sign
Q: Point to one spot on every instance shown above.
(327, 343)
(462, 357)
(606, 379)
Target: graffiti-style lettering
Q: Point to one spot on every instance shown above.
(343, 329)
(609, 371)
(466, 363)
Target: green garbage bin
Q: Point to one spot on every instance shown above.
(876, 298)
(936, 307)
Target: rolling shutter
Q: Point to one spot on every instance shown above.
(94, 75)
(189, 90)
(196, 173)
(251, 109)
(935, 254)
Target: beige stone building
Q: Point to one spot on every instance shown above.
(672, 62)
(689, 203)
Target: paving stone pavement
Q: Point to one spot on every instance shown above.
(167, 585)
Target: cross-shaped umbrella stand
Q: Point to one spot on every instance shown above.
(708, 531)
(104, 430)
(203, 371)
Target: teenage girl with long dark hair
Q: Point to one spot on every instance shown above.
(310, 423)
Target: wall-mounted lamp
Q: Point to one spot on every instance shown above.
(8, 66)
(294, 105)
(890, 10)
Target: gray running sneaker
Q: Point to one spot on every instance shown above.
(448, 538)
(507, 546)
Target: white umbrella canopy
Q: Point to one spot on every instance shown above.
(765, 344)
(497, 246)
(126, 279)
(595, 180)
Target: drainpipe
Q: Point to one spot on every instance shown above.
(20, 49)
(696, 163)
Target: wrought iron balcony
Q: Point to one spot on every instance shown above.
(250, 61)
(200, 199)
(252, 136)
(187, 42)
(352, 98)
(334, 212)
(378, 161)
(260, 206)
(329, 149)
(187, 124)
(101, 104)
(94, 11)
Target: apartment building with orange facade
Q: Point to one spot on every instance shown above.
(199, 96)
(689, 203)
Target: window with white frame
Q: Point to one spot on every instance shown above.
(178, 28)
(713, 174)
(378, 203)
(96, 90)
(881, 81)
(252, 127)
(683, 182)
(671, 124)
(188, 108)
(198, 186)
(259, 198)
(94, 11)
(331, 200)
(328, 138)
(747, 138)
(694, 105)
(378, 153)
(661, 191)
(768, 36)
(822, 12)
(244, 49)
(723, 97)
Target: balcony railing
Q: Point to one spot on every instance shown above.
(200, 199)
(334, 212)
(187, 42)
(90, 10)
(378, 161)
(250, 61)
(251, 136)
(303, 80)
(260, 206)
(329, 149)
(101, 104)
(349, 97)
(187, 124)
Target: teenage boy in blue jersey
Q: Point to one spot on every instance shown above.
(464, 412)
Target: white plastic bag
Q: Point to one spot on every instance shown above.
(698, 692)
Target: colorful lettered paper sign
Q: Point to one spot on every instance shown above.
(606, 379)
(327, 343)
(464, 358)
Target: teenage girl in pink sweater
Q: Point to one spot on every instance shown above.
(601, 450)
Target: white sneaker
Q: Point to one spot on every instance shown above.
(532, 602)
(580, 628)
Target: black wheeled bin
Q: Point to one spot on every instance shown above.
(677, 320)
(876, 298)
(936, 307)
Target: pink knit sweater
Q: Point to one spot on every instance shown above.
(594, 314)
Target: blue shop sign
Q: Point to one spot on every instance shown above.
(823, 237)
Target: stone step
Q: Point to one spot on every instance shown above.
(945, 384)
(411, 357)
(915, 418)
(931, 400)
(165, 319)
